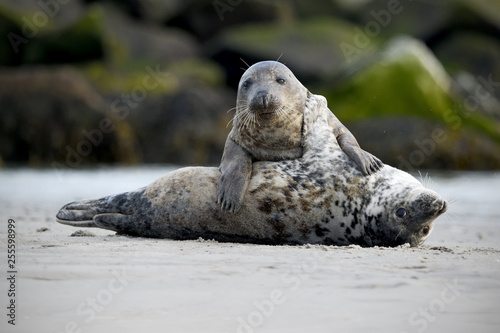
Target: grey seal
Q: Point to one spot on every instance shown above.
(268, 126)
(321, 197)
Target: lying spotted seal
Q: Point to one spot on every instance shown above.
(268, 126)
(321, 198)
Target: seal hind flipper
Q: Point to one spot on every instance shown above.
(113, 221)
(131, 225)
(86, 213)
(79, 213)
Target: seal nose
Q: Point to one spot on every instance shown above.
(265, 101)
(442, 206)
(263, 98)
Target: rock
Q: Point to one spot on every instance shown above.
(153, 11)
(178, 117)
(403, 97)
(46, 16)
(413, 143)
(205, 19)
(311, 48)
(132, 41)
(391, 17)
(52, 116)
(479, 56)
(489, 10)
(55, 33)
(186, 128)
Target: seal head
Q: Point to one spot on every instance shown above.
(405, 206)
(269, 112)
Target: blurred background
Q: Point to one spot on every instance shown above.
(140, 82)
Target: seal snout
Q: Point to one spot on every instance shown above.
(438, 206)
(263, 103)
(265, 100)
(442, 206)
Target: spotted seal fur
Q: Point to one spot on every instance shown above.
(268, 126)
(319, 198)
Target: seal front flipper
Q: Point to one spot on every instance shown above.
(367, 162)
(236, 169)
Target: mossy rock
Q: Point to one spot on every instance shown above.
(203, 71)
(406, 82)
(53, 116)
(405, 79)
(115, 79)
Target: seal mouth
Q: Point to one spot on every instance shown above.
(443, 209)
(265, 113)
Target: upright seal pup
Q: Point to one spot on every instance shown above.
(268, 126)
(319, 198)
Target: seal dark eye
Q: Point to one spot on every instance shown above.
(401, 212)
(246, 84)
(281, 81)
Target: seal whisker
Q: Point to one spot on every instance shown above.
(240, 117)
(230, 121)
(398, 234)
(423, 180)
(248, 66)
(232, 109)
(255, 120)
(281, 115)
(241, 114)
(247, 119)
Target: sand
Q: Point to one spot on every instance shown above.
(96, 281)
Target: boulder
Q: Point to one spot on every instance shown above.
(312, 48)
(177, 117)
(130, 40)
(55, 33)
(479, 56)
(53, 116)
(402, 100)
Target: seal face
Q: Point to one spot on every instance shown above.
(321, 197)
(269, 126)
(269, 112)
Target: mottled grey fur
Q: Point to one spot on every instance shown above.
(320, 198)
(268, 126)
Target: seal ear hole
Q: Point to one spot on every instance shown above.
(281, 80)
(425, 230)
(401, 212)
